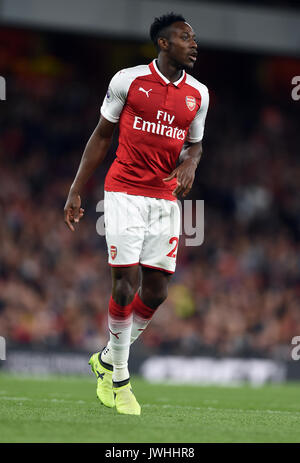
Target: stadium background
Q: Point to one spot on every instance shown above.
(234, 297)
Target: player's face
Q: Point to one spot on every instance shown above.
(182, 45)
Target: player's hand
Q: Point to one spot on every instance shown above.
(72, 210)
(185, 174)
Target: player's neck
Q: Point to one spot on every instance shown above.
(169, 70)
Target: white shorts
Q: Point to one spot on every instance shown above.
(141, 230)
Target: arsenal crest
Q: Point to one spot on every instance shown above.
(190, 102)
(113, 252)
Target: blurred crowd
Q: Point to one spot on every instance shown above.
(236, 295)
(266, 3)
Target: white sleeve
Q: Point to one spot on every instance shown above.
(115, 98)
(196, 129)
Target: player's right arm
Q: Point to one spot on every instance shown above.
(97, 145)
(93, 155)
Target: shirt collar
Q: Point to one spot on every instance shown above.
(163, 79)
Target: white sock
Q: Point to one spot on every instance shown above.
(138, 326)
(106, 355)
(119, 341)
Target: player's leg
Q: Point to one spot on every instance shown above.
(153, 291)
(151, 294)
(120, 325)
(113, 360)
(116, 353)
(158, 261)
(124, 244)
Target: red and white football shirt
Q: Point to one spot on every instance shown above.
(155, 118)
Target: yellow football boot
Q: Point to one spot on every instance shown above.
(125, 400)
(103, 372)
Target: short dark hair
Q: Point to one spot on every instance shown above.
(161, 23)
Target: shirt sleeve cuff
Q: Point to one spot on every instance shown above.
(108, 116)
(194, 140)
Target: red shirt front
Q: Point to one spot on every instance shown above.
(155, 117)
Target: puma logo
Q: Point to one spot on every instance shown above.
(115, 334)
(141, 89)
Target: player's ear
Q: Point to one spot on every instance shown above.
(163, 43)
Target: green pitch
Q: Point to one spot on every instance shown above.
(64, 409)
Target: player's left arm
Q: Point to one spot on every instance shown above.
(192, 149)
(185, 173)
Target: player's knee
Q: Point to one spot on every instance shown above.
(123, 291)
(154, 298)
(161, 296)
